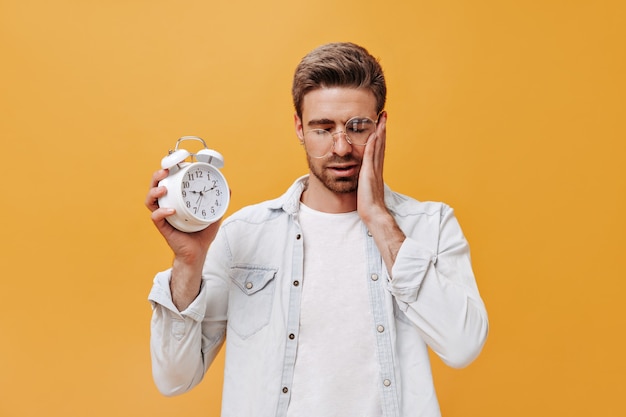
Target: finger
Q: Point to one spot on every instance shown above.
(158, 176)
(159, 215)
(381, 128)
(370, 147)
(375, 148)
(381, 133)
(152, 199)
(155, 191)
(159, 218)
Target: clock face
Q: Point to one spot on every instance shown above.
(204, 192)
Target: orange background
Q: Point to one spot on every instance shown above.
(510, 111)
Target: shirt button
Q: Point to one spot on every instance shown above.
(369, 233)
(386, 382)
(374, 277)
(380, 328)
(249, 285)
(296, 283)
(285, 390)
(298, 236)
(292, 336)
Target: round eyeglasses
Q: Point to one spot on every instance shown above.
(321, 142)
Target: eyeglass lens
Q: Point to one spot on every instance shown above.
(357, 131)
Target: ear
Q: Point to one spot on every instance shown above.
(298, 126)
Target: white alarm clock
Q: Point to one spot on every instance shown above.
(197, 190)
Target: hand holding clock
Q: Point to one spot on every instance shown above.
(189, 248)
(188, 224)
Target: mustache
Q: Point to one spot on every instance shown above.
(336, 159)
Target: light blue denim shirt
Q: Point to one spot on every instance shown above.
(250, 299)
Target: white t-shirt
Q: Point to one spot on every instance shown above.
(336, 370)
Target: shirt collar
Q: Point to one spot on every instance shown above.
(290, 200)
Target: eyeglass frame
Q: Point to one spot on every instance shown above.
(347, 138)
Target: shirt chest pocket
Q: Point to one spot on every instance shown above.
(250, 299)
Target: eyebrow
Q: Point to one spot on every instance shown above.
(326, 122)
(320, 122)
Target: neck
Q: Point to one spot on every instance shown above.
(320, 198)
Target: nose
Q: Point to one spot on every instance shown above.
(341, 144)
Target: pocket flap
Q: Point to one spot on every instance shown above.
(252, 279)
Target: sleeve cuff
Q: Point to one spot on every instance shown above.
(409, 270)
(160, 294)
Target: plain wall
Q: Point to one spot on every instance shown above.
(512, 112)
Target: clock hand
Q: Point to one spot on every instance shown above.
(199, 197)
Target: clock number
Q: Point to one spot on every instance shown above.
(194, 175)
(206, 203)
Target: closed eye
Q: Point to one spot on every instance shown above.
(319, 132)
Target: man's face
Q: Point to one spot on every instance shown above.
(329, 109)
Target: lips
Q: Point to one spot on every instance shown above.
(343, 170)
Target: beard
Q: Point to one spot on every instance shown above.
(340, 185)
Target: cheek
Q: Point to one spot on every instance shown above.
(316, 165)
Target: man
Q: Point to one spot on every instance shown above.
(328, 296)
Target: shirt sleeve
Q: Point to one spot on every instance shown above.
(433, 284)
(184, 343)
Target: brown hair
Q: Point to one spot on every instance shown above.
(338, 65)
